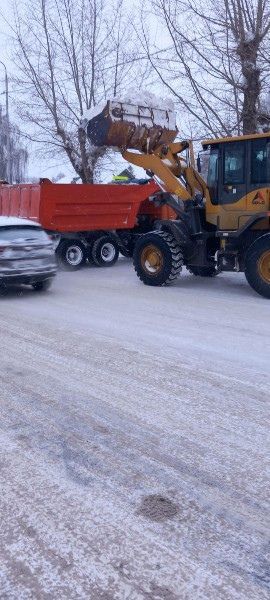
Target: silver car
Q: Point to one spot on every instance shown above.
(26, 254)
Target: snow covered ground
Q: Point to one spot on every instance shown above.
(133, 439)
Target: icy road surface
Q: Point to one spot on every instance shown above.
(133, 439)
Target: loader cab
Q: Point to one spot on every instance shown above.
(227, 168)
(238, 177)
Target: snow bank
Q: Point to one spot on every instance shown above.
(93, 112)
(249, 36)
(145, 98)
(16, 221)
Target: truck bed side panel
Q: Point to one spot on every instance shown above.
(20, 201)
(73, 207)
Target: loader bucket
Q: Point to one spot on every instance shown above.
(131, 126)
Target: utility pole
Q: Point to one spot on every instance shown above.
(8, 125)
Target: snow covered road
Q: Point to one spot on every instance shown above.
(134, 439)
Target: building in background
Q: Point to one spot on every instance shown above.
(18, 154)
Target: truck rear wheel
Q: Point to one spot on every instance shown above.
(105, 251)
(158, 259)
(257, 265)
(71, 254)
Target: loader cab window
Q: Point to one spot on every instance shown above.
(233, 163)
(260, 161)
(212, 176)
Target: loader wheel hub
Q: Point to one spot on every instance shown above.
(264, 266)
(152, 259)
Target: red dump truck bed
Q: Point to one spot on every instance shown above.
(74, 208)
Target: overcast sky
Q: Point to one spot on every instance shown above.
(6, 11)
(37, 167)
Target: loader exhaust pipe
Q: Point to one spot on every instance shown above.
(124, 125)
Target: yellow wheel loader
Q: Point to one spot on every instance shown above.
(222, 220)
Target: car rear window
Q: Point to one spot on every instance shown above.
(26, 233)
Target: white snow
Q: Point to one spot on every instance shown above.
(167, 162)
(15, 221)
(248, 64)
(145, 98)
(142, 116)
(112, 391)
(249, 36)
(92, 112)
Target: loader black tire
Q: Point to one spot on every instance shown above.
(203, 271)
(157, 258)
(105, 251)
(71, 254)
(257, 265)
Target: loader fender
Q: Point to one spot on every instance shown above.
(178, 229)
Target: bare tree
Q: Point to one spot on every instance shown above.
(70, 56)
(213, 59)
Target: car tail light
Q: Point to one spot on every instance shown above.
(54, 239)
(3, 249)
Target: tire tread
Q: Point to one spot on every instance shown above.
(177, 259)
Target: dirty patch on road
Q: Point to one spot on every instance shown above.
(158, 508)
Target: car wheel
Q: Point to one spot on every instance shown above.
(3, 289)
(42, 286)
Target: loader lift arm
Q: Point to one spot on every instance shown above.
(152, 132)
(176, 176)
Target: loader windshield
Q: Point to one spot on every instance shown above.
(203, 163)
(260, 161)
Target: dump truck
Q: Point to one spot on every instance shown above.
(88, 221)
(222, 221)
